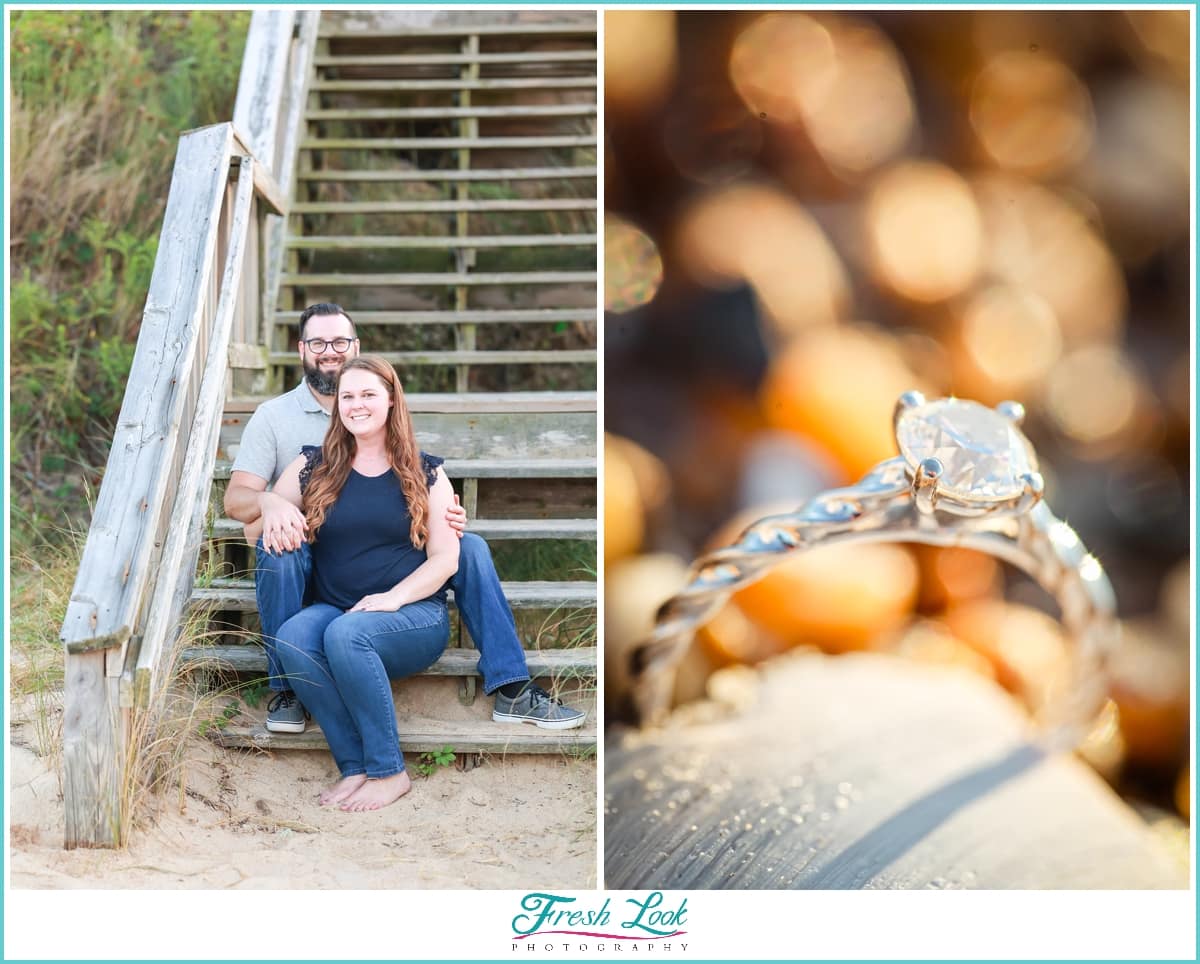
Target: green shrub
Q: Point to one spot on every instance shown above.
(99, 99)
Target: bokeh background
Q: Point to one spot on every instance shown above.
(809, 213)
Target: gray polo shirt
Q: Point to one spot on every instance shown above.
(276, 431)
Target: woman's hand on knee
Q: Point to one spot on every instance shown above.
(379, 602)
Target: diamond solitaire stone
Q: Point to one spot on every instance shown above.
(982, 453)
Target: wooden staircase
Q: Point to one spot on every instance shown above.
(434, 171)
(445, 194)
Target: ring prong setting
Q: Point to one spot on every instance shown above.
(925, 483)
(909, 400)
(1034, 487)
(1013, 411)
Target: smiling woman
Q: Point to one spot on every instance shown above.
(375, 511)
(373, 433)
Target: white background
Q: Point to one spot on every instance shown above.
(394, 925)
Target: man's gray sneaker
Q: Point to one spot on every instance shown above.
(534, 705)
(285, 714)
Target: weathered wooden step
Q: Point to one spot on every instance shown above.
(445, 207)
(534, 426)
(367, 242)
(492, 468)
(458, 83)
(534, 142)
(426, 735)
(455, 59)
(455, 661)
(532, 356)
(447, 278)
(472, 316)
(508, 111)
(462, 403)
(451, 279)
(332, 30)
(526, 468)
(450, 174)
(490, 529)
(237, 595)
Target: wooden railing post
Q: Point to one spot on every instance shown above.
(261, 84)
(95, 738)
(270, 111)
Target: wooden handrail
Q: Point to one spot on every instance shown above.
(114, 570)
(185, 529)
(207, 290)
(272, 92)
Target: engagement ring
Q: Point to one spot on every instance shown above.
(966, 476)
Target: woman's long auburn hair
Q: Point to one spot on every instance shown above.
(338, 455)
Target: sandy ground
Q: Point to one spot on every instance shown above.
(249, 819)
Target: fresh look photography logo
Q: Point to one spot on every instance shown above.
(549, 922)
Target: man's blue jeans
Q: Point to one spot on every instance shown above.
(281, 582)
(280, 585)
(340, 665)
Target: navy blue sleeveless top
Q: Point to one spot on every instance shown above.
(364, 545)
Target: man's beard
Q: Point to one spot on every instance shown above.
(322, 381)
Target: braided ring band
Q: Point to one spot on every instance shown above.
(966, 477)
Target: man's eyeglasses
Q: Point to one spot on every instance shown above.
(318, 345)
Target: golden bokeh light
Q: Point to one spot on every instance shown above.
(931, 642)
(1150, 684)
(1104, 746)
(866, 116)
(633, 268)
(1008, 341)
(1092, 395)
(1031, 113)
(634, 588)
(639, 57)
(952, 575)
(838, 597)
(781, 63)
(1038, 241)
(924, 232)
(733, 637)
(838, 387)
(634, 481)
(764, 237)
(838, 76)
(1027, 648)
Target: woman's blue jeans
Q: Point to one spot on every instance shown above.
(281, 582)
(341, 664)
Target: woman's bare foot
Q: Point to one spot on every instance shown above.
(375, 794)
(342, 789)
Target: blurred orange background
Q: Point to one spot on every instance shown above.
(809, 213)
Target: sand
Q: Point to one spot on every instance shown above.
(249, 819)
